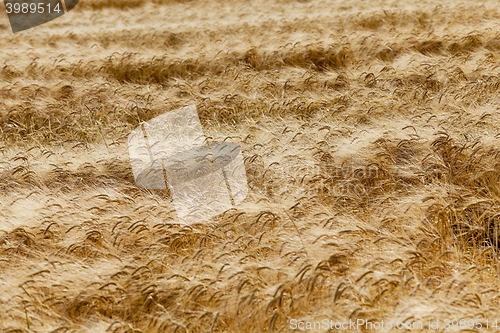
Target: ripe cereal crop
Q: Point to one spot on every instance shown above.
(371, 149)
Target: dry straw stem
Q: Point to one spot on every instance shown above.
(372, 127)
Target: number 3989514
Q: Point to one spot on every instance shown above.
(32, 8)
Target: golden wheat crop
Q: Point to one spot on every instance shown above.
(371, 143)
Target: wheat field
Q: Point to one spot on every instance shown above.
(371, 143)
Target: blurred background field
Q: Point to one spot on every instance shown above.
(371, 146)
